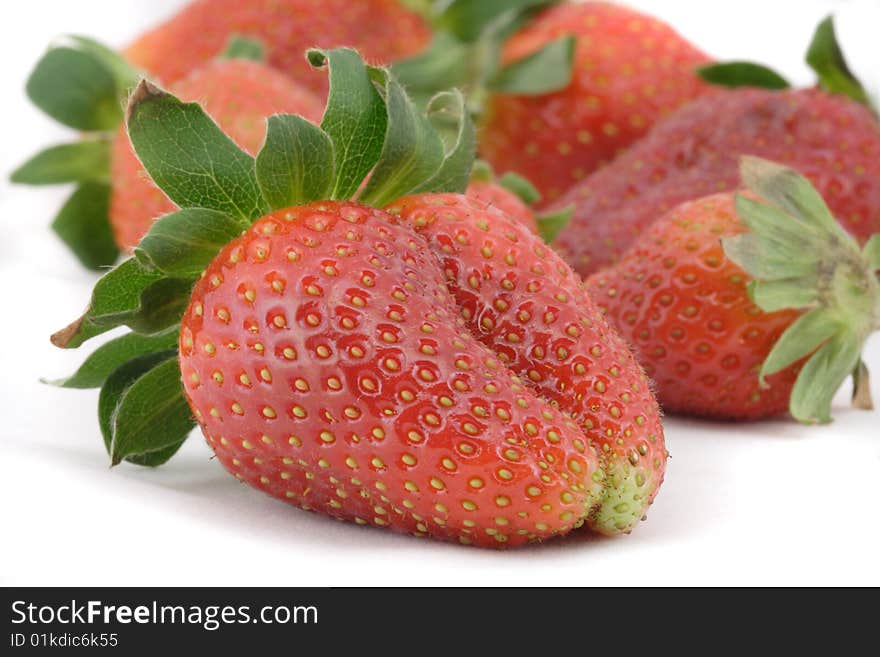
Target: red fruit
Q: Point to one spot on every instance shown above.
(521, 300)
(239, 95)
(630, 69)
(382, 30)
(504, 200)
(684, 308)
(832, 140)
(322, 356)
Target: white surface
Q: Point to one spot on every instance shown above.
(768, 503)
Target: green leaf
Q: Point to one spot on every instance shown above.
(125, 75)
(520, 186)
(448, 115)
(113, 354)
(183, 243)
(76, 89)
(800, 339)
(412, 153)
(544, 71)
(152, 415)
(871, 252)
(788, 190)
(129, 295)
(83, 224)
(552, 223)
(861, 394)
(86, 160)
(774, 295)
(821, 377)
(468, 19)
(742, 74)
(189, 157)
(826, 58)
(296, 164)
(116, 385)
(240, 47)
(445, 63)
(355, 118)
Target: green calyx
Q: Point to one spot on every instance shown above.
(801, 258)
(824, 57)
(549, 223)
(84, 85)
(466, 53)
(373, 146)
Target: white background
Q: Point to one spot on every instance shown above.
(766, 503)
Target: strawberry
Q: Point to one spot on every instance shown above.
(520, 299)
(629, 70)
(116, 202)
(834, 141)
(239, 95)
(826, 135)
(328, 349)
(741, 307)
(507, 202)
(382, 30)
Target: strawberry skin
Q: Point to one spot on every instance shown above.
(520, 299)
(321, 355)
(629, 70)
(832, 140)
(504, 200)
(239, 95)
(382, 30)
(684, 308)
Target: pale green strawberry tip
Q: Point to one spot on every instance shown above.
(628, 491)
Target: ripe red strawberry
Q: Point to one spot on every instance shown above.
(321, 356)
(521, 300)
(716, 342)
(381, 30)
(831, 139)
(323, 350)
(496, 196)
(629, 70)
(239, 95)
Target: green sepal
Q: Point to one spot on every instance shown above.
(75, 88)
(129, 295)
(241, 47)
(821, 377)
(801, 258)
(447, 62)
(544, 71)
(355, 118)
(81, 161)
(296, 164)
(468, 20)
(113, 354)
(144, 390)
(124, 74)
(413, 150)
(825, 57)
(550, 224)
(871, 252)
(82, 224)
(742, 74)
(183, 243)
(189, 157)
(522, 187)
(449, 116)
